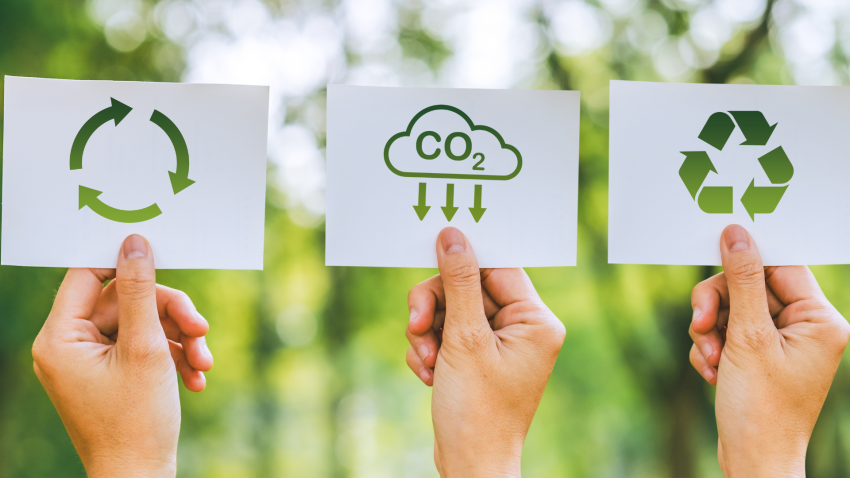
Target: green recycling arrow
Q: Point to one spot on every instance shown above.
(754, 126)
(477, 211)
(421, 208)
(716, 199)
(761, 200)
(717, 130)
(117, 112)
(695, 169)
(89, 197)
(449, 210)
(179, 179)
(777, 166)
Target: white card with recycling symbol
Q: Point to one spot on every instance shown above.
(87, 163)
(404, 163)
(686, 160)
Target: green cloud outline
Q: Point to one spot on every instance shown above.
(480, 177)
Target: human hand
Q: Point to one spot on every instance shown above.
(106, 357)
(771, 341)
(487, 343)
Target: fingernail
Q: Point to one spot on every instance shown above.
(206, 350)
(709, 373)
(424, 351)
(697, 313)
(413, 315)
(707, 350)
(135, 247)
(737, 238)
(425, 374)
(452, 240)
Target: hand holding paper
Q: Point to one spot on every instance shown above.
(107, 357)
(771, 342)
(488, 378)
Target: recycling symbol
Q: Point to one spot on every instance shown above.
(718, 199)
(90, 197)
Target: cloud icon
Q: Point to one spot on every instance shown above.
(441, 141)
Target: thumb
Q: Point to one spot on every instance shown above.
(139, 329)
(744, 273)
(462, 284)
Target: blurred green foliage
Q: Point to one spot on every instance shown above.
(310, 378)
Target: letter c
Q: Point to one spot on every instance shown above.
(419, 141)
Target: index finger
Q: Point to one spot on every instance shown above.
(707, 298)
(792, 283)
(508, 286)
(79, 292)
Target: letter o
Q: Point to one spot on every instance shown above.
(466, 151)
(419, 141)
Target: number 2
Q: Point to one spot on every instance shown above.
(476, 168)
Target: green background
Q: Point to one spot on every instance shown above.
(310, 378)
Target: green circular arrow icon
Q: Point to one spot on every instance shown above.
(117, 112)
(719, 199)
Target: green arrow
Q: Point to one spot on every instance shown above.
(695, 169)
(118, 111)
(777, 166)
(716, 199)
(89, 197)
(421, 208)
(717, 130)
(449, 210)
(477, 211)
(762, 200)
(179, 179)
(754, 126)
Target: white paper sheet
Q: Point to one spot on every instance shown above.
(217, 222)
(528, 180)
(653, 217)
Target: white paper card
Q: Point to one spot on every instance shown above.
(504, 157)
(184, 166)
(686, 160)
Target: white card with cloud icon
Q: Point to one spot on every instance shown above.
(404, 163)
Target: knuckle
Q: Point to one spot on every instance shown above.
(147, 353)
(557, 333)
(39, 351)
(761, 340)
(694, 359)
(138, 280)
(748, 272)
(474, 339)
(463, 274)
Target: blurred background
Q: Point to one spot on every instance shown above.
(310, 378)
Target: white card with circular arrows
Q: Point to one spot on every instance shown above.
(404, 163)
(87, 163)
(686, 160)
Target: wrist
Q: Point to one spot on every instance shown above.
(114, 467)
(753, 464)
(468, 462)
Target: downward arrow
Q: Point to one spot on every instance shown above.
(477, 211)
(421, 208)
(754, 126)
(179, 179)
(449, 210)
